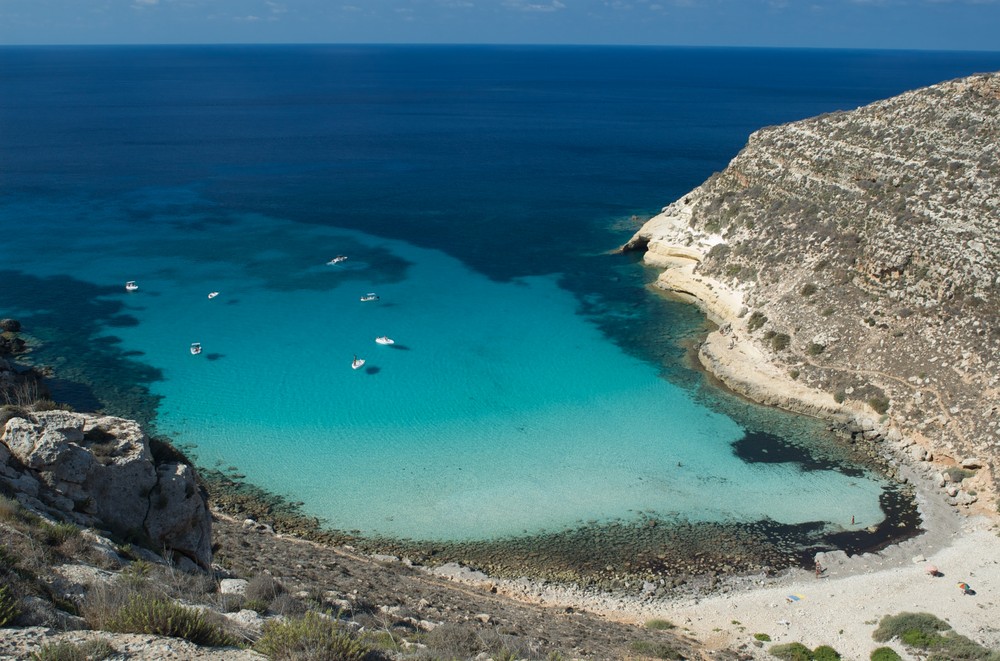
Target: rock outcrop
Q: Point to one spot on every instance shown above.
(100, 472)
(852, 261)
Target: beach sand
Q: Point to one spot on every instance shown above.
(841, 608)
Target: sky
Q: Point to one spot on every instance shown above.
(889, 24)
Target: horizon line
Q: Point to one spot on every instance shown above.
(432, 44)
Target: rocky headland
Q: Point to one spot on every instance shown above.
(851, 264)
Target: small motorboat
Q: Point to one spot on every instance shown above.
(382, 339)
(213, 294)
(357, 363)
(131, 286)
(337, 260)
(195, 348)
(370, 296)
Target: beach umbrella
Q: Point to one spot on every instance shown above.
(964, 587)
(932, 570)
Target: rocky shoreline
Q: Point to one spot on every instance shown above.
(822, 312)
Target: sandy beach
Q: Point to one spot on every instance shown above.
(841, 608)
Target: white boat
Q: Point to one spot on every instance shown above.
(195, 348)
(131, 286)
(384, 340)
(357, 363)
(370, 296)
(337, 260)
(213, 294)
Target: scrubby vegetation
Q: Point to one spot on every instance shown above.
(928, 635)
(655, 650)
(799, 652)
(885, 654)
(142, 614)
(312, 636)
(95, 649)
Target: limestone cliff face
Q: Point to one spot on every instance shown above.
(859, 254)
(99, 472)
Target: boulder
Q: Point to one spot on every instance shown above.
(10, 325)
(233, 586)
(972, 463)
(99, 472)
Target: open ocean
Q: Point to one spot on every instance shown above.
(536, 384)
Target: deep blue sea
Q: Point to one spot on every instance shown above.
(536, 383)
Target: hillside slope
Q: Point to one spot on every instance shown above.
(851, 261)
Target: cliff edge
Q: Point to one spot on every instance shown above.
(851, 262)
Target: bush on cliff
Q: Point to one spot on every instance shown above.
(161, 617)
(313, 636)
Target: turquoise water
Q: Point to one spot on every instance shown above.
(536, 383)
(499, 411)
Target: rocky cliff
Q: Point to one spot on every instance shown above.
(851, 261)
(99, 472)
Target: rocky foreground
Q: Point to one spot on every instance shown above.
(852, 262)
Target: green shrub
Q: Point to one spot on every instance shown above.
(453, 640)
(953, 646)
(885, 654)
(756, 321)
(825, 653)
(309, 637)
(94, 649)
(780, 341)
(815, 349)
(263, 588)
(839, 396)
(54, 534)
(9, 412)
(165, 618)
(762, 637)
(660, 625)
(655, 650)
(8, 606)
(808, 289)
(13, 512)
(791, 652)
(894, 626)
(918, 638)
(880, 404)
(259, 605)
(794, 374)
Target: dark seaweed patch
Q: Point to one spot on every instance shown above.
(758, 447)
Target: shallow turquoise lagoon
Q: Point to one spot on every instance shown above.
(499, 411)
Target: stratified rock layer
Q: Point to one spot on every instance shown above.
(852, 262)
(99, 472)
